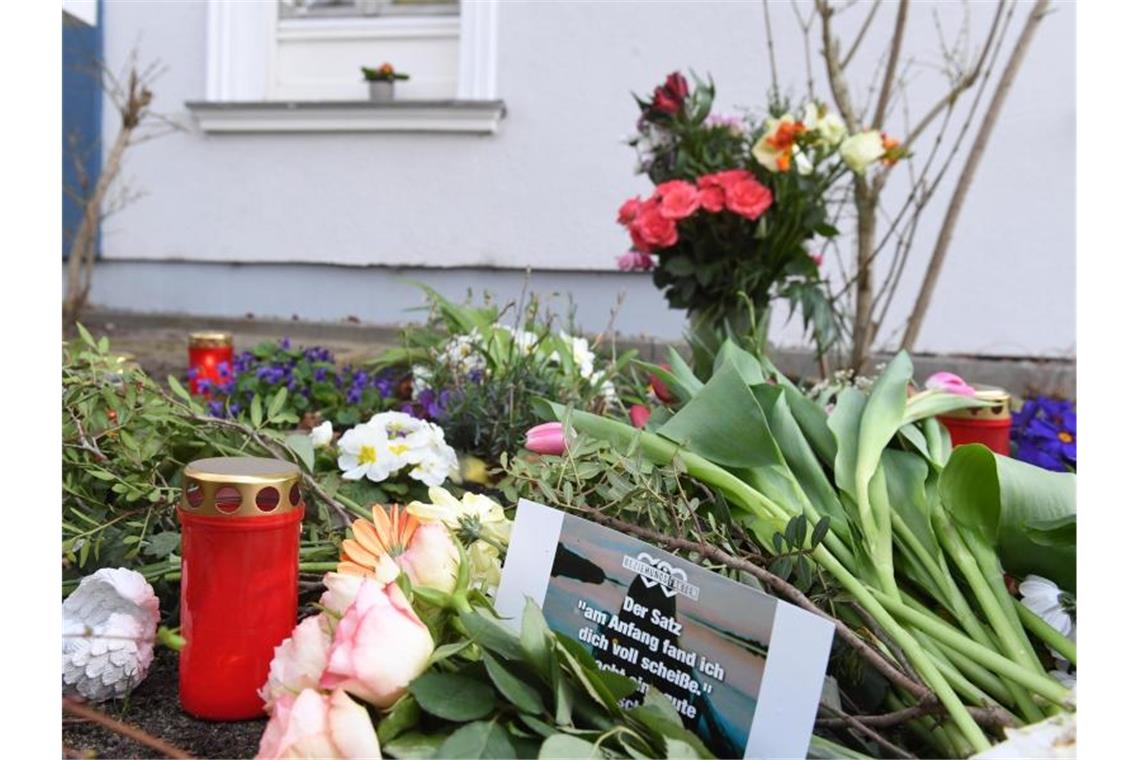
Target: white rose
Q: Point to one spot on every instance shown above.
(861, 150)
(831, 128)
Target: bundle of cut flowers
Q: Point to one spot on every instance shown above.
(404, 657)
(1044, 433)
(474, 372)
(914, 547)
(739, 209)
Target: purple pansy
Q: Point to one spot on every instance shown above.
(1044, 433)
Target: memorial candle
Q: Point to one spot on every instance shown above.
(988, 425)
(240, 519)
(210, 352)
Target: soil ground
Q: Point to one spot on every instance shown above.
(154, 708)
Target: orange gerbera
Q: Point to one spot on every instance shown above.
(425, 551)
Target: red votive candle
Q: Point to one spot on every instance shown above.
(240, 519)
(211, 356)
(987, 425)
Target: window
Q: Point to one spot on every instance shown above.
(294, 65)
(350, 8)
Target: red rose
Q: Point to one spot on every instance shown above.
(665, 102)
(628, 211)
(637, 240)
(676, 84)
(653, 227)
(748, 198)
(679, 199)
(638, 415)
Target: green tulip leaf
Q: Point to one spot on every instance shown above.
(1027, 513)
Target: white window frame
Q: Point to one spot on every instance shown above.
(240, 32)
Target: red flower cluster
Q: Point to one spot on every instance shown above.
(670, 97)
(652, 223)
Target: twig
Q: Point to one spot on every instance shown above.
(859, 37)
(771, 50)
(892, 64)
(133, 733)
(861, 725)
(966, 178)
(885, 720)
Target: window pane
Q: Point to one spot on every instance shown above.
(348, 8)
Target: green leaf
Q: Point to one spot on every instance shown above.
(277, 403)
(163, 544)
(820, 531)
(413, 745)
(566, 747)
(478, 740)
(517, 691)
(535, 637)
(403, 715)
(445, 651)
(255, 415)
(1021, 509)
(452, 696)
(177, 389)
(724, 424)
(302, 445)
(85, 335)
(491, 634)
(540, 727)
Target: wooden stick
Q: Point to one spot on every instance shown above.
(133, 733)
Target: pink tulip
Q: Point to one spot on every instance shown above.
(379, 646)
(639, 415)
(299, 660)
(546, 438)
(950, 383)
(312, 724)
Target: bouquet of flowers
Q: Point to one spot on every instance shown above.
(737, 205)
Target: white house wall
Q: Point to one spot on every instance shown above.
(543, 191)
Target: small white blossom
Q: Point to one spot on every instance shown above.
(321, 435)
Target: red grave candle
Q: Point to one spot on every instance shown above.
(987, 425)
(211, 355)
(240, 519)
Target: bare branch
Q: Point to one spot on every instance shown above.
(966, 178)
(892, 64)
(134, 733)
(838, 84)
(771, 49)
(859, 37)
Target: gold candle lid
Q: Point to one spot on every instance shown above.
(240, 487)
(998, 409)
(210, 339)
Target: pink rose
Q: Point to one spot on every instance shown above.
(430, 558)
(628, 211)
(299, 660)
(317, 725)
(949, 382)
(546, 438)
(653, 227)
(639, 415)
(379, 646)
(631, 261)
(679, 199)
(748, 198)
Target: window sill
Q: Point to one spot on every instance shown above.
(461, 116)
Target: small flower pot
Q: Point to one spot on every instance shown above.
(379, 91)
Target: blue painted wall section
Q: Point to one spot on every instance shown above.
(82, 112)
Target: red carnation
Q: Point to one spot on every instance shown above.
(653, 227)
(748, 198)
(679, 199)
(730, 177)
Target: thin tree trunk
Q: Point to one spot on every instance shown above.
(81, 257)
(863, 330)
(973, 160)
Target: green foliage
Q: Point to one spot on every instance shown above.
(476, 371)
(125, 442)
(532, 693)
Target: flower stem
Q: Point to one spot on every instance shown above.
(1052, 638)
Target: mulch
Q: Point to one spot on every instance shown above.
(154, 708)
